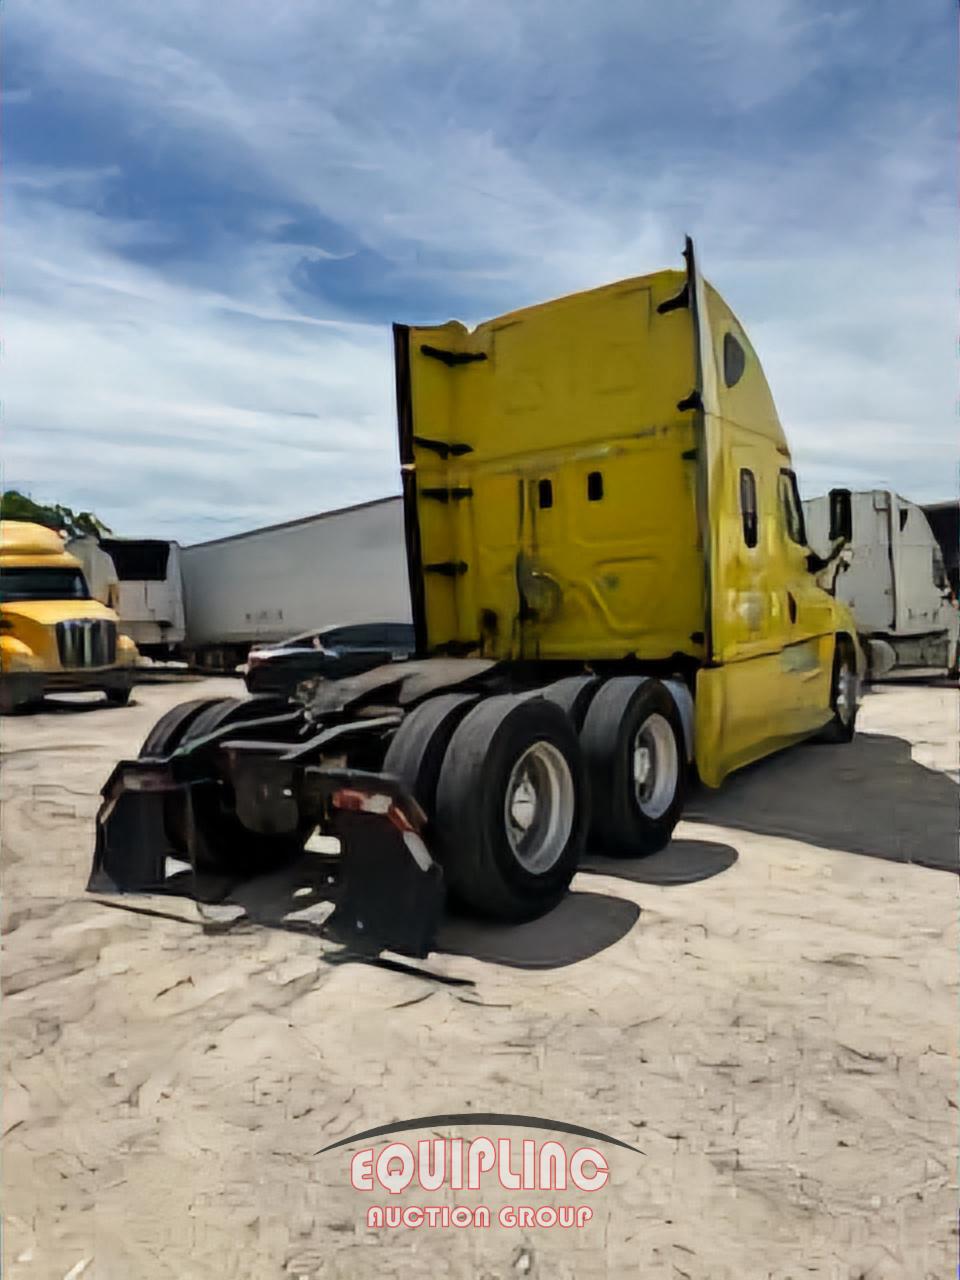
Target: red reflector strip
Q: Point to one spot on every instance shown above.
(399, 819)
(362, 802)
(348, 800)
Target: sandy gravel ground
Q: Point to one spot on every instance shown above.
(779, 1038)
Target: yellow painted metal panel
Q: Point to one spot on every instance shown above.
(24, 538)
(530, 562)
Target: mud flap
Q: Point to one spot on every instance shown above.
(132, 844)
(132, 847)
(388, 894)
(387, 899)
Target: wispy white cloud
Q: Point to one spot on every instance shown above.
(477, 157)
(173, 408)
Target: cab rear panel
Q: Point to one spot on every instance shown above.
(550, 478)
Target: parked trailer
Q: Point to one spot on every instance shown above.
(99, 571)
(944, 521)
(610, 585)
(895, 581)
(150, 592)
(345, 566)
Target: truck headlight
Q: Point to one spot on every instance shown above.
(15, 655)
(127, 651)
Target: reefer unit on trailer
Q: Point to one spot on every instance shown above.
(150, 592)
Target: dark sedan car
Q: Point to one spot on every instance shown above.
(332, 652)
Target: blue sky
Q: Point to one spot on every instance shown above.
(212, 213)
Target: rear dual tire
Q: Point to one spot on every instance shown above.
(633, 744)
(509, 784)
(511, 812)
(417, 749)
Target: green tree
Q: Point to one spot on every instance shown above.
(18, 506)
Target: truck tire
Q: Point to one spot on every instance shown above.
(165, 736)
(183, 722)
(231, 848)
(843, 695)
(223, 711)
(512, 808)
(633, 745)
(573, 695)
(416, 752)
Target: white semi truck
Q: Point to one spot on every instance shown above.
(893, 577)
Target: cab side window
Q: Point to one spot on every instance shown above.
(748, 507)
(791, 509)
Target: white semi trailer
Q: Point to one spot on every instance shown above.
(893, 577)
(344, 566)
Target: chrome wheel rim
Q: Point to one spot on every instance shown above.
(538, 807)
(655, 762)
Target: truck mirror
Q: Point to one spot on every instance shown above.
(841, 515)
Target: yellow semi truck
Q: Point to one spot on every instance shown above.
(612, 594)
(53, 636)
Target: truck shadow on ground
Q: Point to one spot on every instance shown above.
(584, 923)
(681, 862)
(867, 797)
(297, 898)
(579, 927)
(71, 705)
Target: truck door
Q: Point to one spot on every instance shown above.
(760, 688)
(772, 635)
(807, 655)
(749, 708)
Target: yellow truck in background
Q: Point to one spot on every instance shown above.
(611, 592)
(53, 636)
